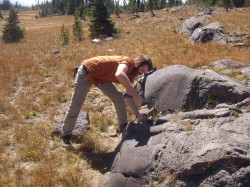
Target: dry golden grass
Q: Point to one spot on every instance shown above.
(234, 22)
(36, 86)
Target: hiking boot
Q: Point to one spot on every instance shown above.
(56, 133)
(67, 139)
(122, 130)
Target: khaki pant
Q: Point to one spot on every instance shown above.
(82, 86)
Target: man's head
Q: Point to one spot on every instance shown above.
(143, 64)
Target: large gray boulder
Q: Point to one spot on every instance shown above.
(194, 147)
(212, 32)
(227, 63)
(180, 87)
(82, 125)
(231, 67)
(191, 24)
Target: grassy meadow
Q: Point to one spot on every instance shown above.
(36, 86)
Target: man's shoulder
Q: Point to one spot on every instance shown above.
(120, 58)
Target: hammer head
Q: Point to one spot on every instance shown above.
(150, 112)
(149, 103)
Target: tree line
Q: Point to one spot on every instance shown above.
(231, 3)
(68, 7)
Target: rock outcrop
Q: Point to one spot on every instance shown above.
(197, 30)
(211, 32)
(191, 24)
(82, 125)
(193, 144)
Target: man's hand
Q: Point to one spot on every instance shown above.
(138, 99)
(141, 118)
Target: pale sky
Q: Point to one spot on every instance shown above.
(26, 2)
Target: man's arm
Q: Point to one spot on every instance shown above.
(133, 97)
(132, 105)
(139, 116)
(124, 80)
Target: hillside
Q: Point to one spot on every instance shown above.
(36, 86)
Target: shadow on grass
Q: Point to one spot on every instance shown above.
(100, 161)
(103, 161)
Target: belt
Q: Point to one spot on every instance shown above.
(86, 69)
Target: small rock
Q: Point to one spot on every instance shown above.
(109, 38)
(55, 51)
(96, 40)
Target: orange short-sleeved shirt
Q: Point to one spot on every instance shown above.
(103, 68)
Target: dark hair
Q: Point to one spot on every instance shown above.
(145, 60)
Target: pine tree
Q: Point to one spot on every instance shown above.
(227, 4)
(12, 32)
(1, 16)
(133, 7)
(238, 3)
(6, 5)
(64, 36)
(82, 11)
(247, 3)
(72, 7)
(117, 9)
(77, 27)
(151, 7)
(100, 24)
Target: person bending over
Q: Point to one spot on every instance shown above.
(103, 72)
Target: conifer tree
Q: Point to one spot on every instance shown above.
(117, 9)
(64, 36)
(12, 32)
(72, 7)
(6, 5)
(151, 7)
(77, 27)
(82, 11)
(247, 3)
(133, 7)
(227, 4)
(100, 24)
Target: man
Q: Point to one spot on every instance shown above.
(103, 71)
